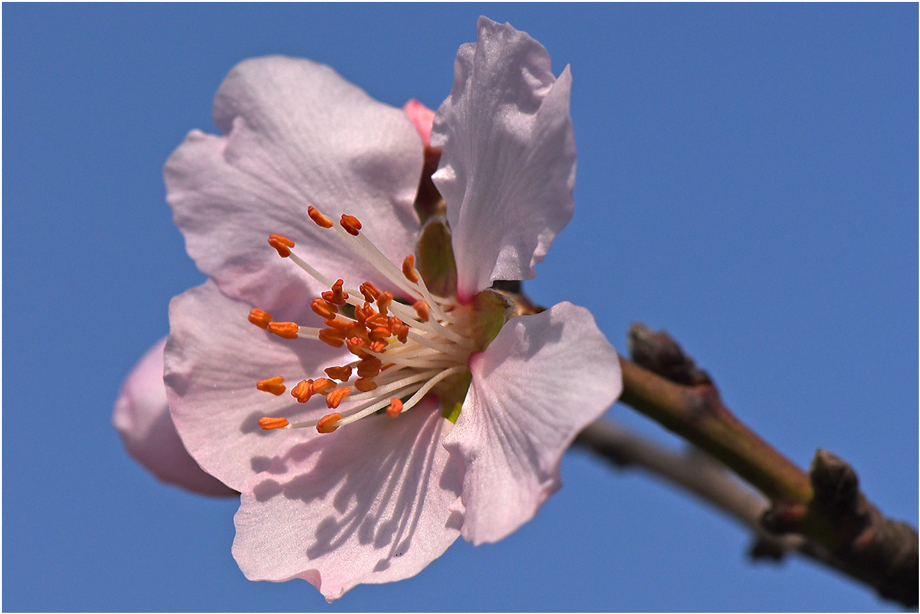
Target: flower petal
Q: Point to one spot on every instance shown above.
(295, 134)
(147, 430)
(508, 164)
(214, 357)
(366, 504)
(422, 118)
(543, 379)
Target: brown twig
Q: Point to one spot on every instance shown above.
(839, 524)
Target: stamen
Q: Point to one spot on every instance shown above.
(395, 408)
(399, 329)
(408, 269)
(384, 301)
(351, 224)
(328, 423)
(422, 309)
(322, 386)
(370, 292)
(404, 348)
(260, 318)
(336, 296)
(369, 366)
(356, 346)
(334, 398)
(321, 220)
(274, 385)
(330, 336)
(273, 423)
(320, 307)
(285, 330)
(340, 373)
(282, 244)
(365, 384)
(303, 391)
(379, 333)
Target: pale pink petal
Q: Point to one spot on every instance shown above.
(508, 164)
(422, 117)
(146, 428)
(366, 504)
(295, 134)
(543, 379)
(214, 357)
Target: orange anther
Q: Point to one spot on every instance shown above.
(322, 385)
(330, 336)
(323, 308)
(303, 391)
(336, 296)
(377, 321)
(379, 333)
(365, 384)
(401, 331)
(328, 423)
(340, 373)
(363, 313)
(260, 318)
(273, 423)
(356, 346)
(282, 244)
(398, 329)
(377, 346)
(369, 366)
(370, 291)
(384, 301)
(408, 269)
(321, 220)
(423, 310)
(274, 385)
(335, 397)
(339, 325)
(356, 329)
(285, 330)
(351, 224)
(395, 408)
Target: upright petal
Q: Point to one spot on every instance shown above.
(214, 358)
(295, 134)
(365, 505)
(147, 430)
(543, 379)
(508, 164)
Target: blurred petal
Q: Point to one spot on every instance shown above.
(295, 134)
(147, 430)
(366, 504)
(214, 357)
(543, 379)
(508, 164)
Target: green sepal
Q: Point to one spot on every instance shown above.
(452, 392)
(436, 262)
(491, 310)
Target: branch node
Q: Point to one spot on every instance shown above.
(659, 353)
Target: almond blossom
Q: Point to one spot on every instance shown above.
(348, 368)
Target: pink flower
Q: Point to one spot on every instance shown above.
(142, 418)
(447, 418)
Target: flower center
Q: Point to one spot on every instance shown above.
(403, 348)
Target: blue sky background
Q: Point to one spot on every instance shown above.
(747, 179)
